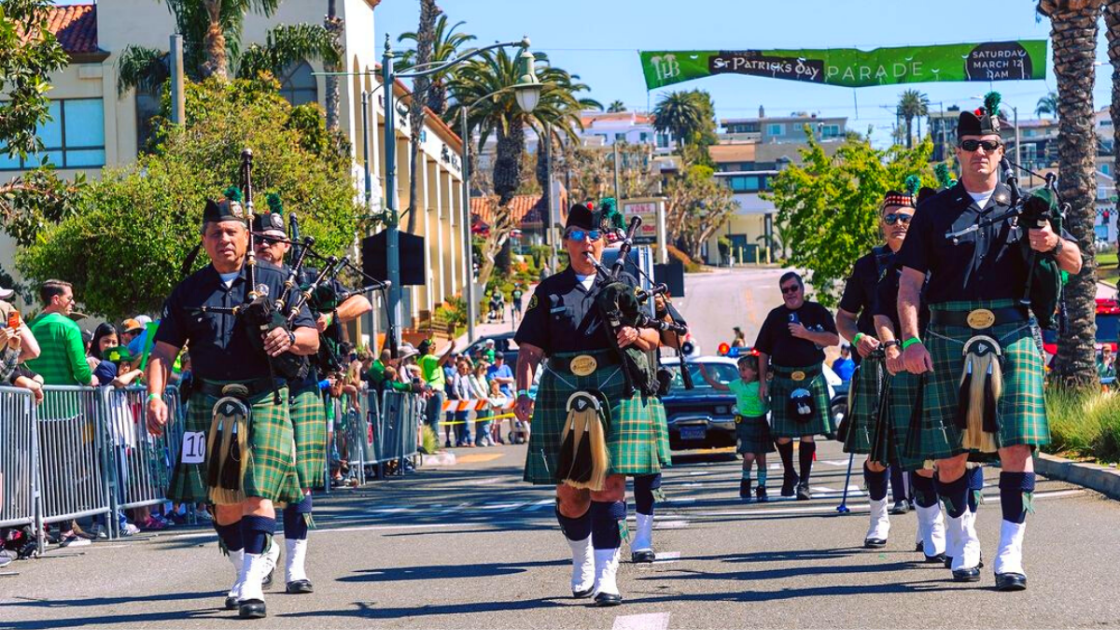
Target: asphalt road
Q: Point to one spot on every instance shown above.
(471, 546)
(716, 301)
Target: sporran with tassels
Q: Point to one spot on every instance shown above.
(227, 451)
(980, 389)
(584, 459)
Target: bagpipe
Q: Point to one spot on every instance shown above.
(622, 305)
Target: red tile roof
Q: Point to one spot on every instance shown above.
(521, 206)
(75, 26)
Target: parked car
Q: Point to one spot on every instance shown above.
(503, 342)
(1108, 329)
(702, 417)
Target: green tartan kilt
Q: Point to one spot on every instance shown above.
(863, 404)
(753, 435)
(637, 436)
(782, 425)
(903, 394)
(272, 473)
(309, 425)
(1022, 406)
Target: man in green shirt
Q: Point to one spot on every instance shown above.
(62, 358)
(431, 370)
(1106, 365)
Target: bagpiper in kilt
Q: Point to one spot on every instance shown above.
(983, 261)
(794, 335)
(239, 410)
(594, 421)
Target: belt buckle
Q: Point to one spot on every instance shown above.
(236, 390)
(583, 365)
(981, 318)
(798, 376)
(738, 419)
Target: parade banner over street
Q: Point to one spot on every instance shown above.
(850, 67)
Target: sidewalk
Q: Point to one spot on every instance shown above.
(485, 329)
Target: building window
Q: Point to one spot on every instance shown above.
(744, 183)
(620, 137)
(74, 137)
(1101, 232)
(298, 85)
(147, 108)
(662, 141)
(775, 129)
(830, 131)
(1106, 169)
(643, 137)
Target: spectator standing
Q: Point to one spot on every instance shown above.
(481, 391)
(431, 371)
(501, 373)
(62, 360)
(515, 302)
(461, 391)
(844, 366)
(498, 403)
(1106, 365)
(740, 340)
(17, 344)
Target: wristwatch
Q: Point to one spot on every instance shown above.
(292, 337)
(1058, 248)
(892, 343)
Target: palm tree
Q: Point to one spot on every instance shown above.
(334, 27)
(425, 42)
(912, 104)
(1073, 33)
(287, 44)
(481, 85)
(680, 114)
(446, 46)
(1049, 104)
(616, 107)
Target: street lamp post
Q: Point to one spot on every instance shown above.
(527, 93)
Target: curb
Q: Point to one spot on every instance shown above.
(1103, 479)
(441, 458)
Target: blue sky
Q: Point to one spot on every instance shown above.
(599, 40)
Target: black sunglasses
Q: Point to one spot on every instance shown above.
(894, 217)
(791, 289)
(268, 241)
(989, 145)
(579, 235)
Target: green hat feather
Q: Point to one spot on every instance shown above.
(275, 205)
(944, 179)
(913, 183)
(233, 193)
(991, 103)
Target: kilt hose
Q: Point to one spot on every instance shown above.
(309, 425)
(752, 434)
(1021, 409)
(863, 403)
(637, 434)
(271, 473)
(782, 423)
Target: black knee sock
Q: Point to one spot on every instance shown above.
(808, 449)
(925, 495)
(898, 484)
(230, 535)
(605, 519)
(1015, 492)
(643, 493)
(955, 496)
(975, 478)
(257, 532)
(876, 483)
(295, 519)
(786, 452)
(578, 528)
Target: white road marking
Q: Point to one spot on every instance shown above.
(681, 524)
(648, 621)
(666, 557)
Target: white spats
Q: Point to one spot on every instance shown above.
(295, 554)
(270, 558)
(237, 559)
(964, 543)
(643, 537)
(606, 569)
(583, 565)
(252, 572)
(880, 526)
(1010, 556)
(931, 527)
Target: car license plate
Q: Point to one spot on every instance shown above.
(693, 433)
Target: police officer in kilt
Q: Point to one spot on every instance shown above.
(586, 402)
(869, 385)
(982, 387)
(791, 348)
(238, 443)
(309, 416)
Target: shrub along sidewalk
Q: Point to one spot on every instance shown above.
(1084, 425)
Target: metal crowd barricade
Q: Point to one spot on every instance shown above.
(19, 451)
(73, 460)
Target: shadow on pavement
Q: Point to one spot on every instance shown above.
(371, 611)
(451, 571)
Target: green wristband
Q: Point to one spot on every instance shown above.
(855, 340)
(155, 396)
(909, 342)
(522, 392)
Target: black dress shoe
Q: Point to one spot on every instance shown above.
(874, 543)
(900, 507)
(1011, 582)
(788, 484)
(803, 493)
(583, 594)
(971, 574)
(745, 490)
(948, 561)
(300, 586)
(939, 558)
(231, 603)
(608, 599)
(921, 546)
(251, 609)
(643, 556)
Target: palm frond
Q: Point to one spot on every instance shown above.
(142, 68)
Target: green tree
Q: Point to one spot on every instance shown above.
(481, 85)
(698, 204)
(616, 107)
(1073, 36)
(681, 114)
(139, 222)
(447, 45)
(1048, 105)
(829, 207)
(912, 104)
